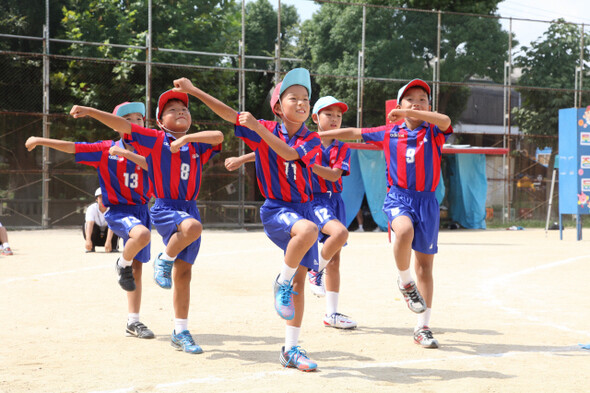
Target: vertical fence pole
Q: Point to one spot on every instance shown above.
(242, 107)
(148, 67)
(361, 74)
(46, 123)
(278, 47)
(436, 71)
(579, 104)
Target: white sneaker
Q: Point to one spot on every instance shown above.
(423, 337)
(316, 279)
(339, 321)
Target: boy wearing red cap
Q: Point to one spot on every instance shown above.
(413, 152)
(125, 191)
(284, 154)
(175, 162)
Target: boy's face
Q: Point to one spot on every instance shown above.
(176, 117)
(415, 98)
(134, 118)
(329, 118)
(294, 104)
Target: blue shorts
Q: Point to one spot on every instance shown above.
(278, 218)
(167, 214)
(327, 207)
(422, 208)
(122, 218)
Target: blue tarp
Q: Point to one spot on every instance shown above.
(367, 176)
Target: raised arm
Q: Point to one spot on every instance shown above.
(330, 174)
(233, 163)
(113, 121)
(210, 137)
(65, 146)
(131, 156)
(275, 143)
(342, 133)
(440, 120)
(184, 85)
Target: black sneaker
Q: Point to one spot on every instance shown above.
(126, 280)
(139, 330)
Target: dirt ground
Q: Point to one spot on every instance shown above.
(510, 310)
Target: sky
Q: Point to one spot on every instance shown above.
(577, 11)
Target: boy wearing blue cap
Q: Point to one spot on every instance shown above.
(125, 190)
(413, 153)
(284, 154)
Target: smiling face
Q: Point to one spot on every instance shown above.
(329, 118)
(293, 105)
(415, 98)
(176, 117)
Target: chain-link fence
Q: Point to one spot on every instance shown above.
(43, 75)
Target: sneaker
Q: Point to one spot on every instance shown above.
(139, 330)
(316, 279)
(412, 297)
(283, 294)
(7, 251)
(126, 280)
(423, 337)
(162, 272)
(339, 321)
(297, 358)
(184, 342)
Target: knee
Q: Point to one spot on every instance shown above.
(192, 229)
(142, 234)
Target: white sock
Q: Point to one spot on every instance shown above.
(291, 337)
(167, 257)
(180, 325)
(287, 273)
(331, 302)
(132, 317)
(124, 262)
(423, 319)
(6, 245)
(323, 263)
(361, 227)
(406, 276)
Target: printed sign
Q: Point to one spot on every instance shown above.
(585, 185)
(584, 138)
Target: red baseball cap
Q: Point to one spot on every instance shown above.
(167, 96)
(412, 83)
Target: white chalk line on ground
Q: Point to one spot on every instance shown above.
(361, 366)
(490, 286)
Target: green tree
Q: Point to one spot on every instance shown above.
(549, 62)
(401, 44)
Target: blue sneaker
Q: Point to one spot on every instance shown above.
(162, 272)
(183, 341)
(297, 358)
(284, 299)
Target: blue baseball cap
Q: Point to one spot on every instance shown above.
(327, 101)
(129, 107)
(297, 76)
(412, 83)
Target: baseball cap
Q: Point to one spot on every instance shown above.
(327, 101)
(129, 107)
(412, 83)
(167, 96)
(98, 190)
(297, 76)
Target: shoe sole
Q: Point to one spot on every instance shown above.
(338, 327)
(431, 346)
(180, 348)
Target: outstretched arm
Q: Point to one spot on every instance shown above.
(342, 133)
(330, 174)
(65, 146)
(210, 137)
(233, 163)
(440, 120)
(108, 119)
(184, 85)
(131, 156)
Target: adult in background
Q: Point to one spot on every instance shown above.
(95, 229)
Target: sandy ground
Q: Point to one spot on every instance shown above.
(510, 309)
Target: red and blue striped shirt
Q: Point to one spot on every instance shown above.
(336, 155)
(122, 181)
(279, 179)
(173, 176)
(412, 156)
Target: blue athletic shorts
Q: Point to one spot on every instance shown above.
(122, 218)
(327, 207)
(167, 214)
(422, 208)
(278, 217)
